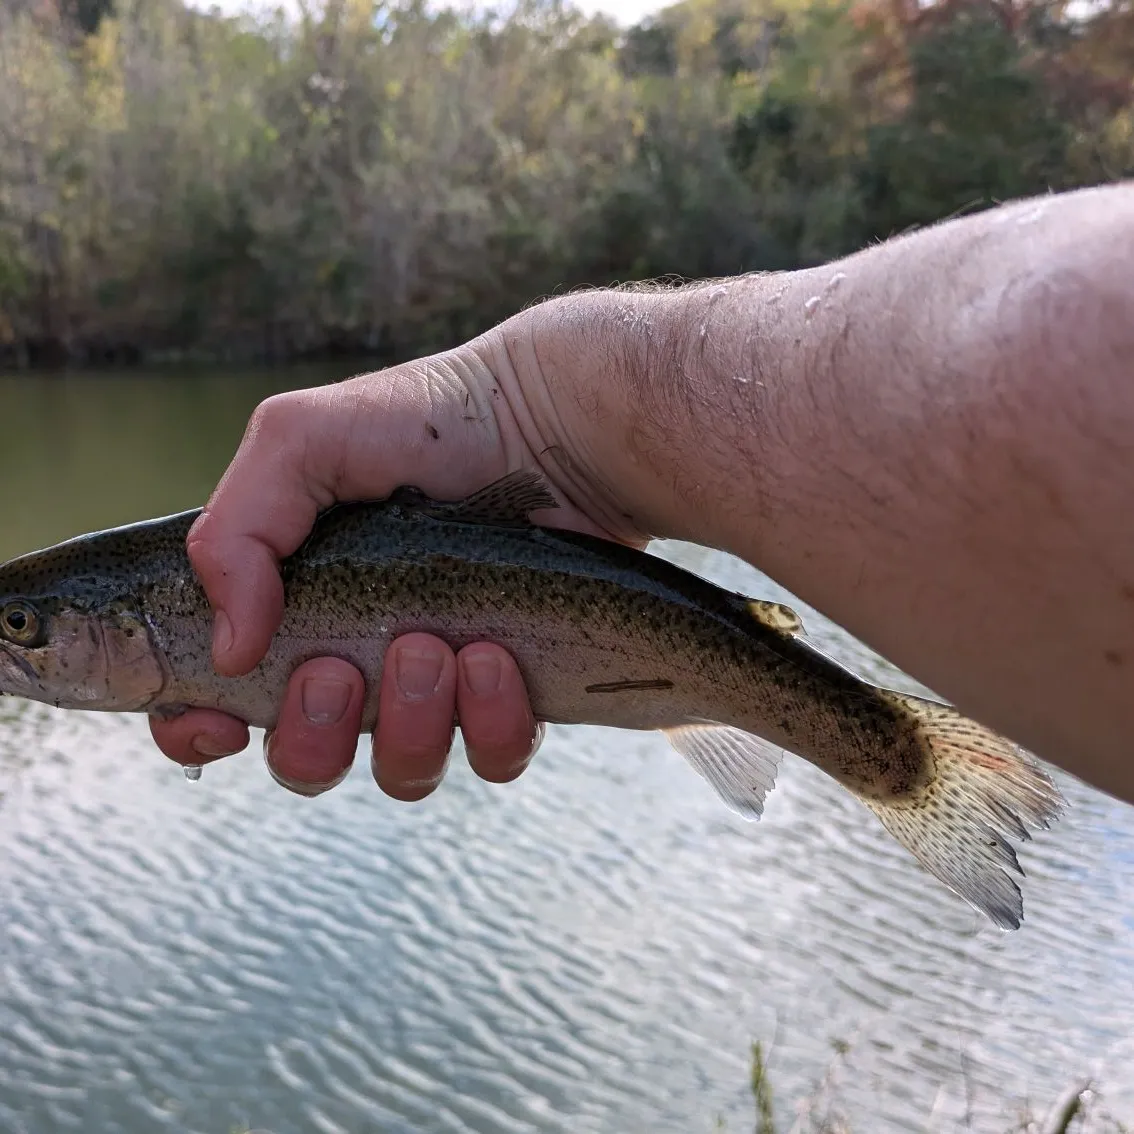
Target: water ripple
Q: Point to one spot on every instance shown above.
(590, 949)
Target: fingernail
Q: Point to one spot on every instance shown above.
(222, 634)
(210, 747)
(418, 673)
(482, 673)
(324, 700)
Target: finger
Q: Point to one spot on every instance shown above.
(501, 735)
(261, 511)
(313, 744)
(415, 716)
(304, 450)
(199, 736)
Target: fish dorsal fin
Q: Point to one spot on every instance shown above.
(509, 500)
(740, 767)
(775, 616)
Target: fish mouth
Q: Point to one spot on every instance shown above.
(11, 660)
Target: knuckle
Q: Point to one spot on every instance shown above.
(201, 546)
(274, 417)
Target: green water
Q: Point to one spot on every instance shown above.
(92, 450)
(590, 949)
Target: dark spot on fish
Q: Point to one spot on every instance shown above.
(1127, 591)
(432, 432)
(630, 686)
(1114, 657)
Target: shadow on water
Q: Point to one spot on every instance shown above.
(589, 950)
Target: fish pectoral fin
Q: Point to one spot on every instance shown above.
(509, 500)
(740, 767)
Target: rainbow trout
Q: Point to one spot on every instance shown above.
(603, 634)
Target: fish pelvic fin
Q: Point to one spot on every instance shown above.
(984, 791)
(740, 767)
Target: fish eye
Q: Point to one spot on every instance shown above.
(20, 623)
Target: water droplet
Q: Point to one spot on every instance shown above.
(192, 772)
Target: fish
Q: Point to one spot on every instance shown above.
(604, 634)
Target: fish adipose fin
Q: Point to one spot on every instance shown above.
(985, 790)
(775, 616)
(740, 767)
(507, 501)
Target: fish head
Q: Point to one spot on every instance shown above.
(73, 635)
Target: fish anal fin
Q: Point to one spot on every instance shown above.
(775, 616)
(740, 767)
(507, 501)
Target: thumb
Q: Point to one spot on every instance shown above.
(305, 450)
(260, 512)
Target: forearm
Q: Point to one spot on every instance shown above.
(951, 469)
(932, 442)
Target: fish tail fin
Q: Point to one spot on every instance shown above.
(984, 790)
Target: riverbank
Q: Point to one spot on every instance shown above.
(387, 180)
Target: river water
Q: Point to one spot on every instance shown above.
(592, 948)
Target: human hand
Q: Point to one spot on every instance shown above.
(449, 425)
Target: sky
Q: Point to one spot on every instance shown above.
(626, 12)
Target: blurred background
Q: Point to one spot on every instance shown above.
(392, 178)
(202, 206)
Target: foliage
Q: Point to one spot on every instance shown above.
(1080, 1109)
(392, 177)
